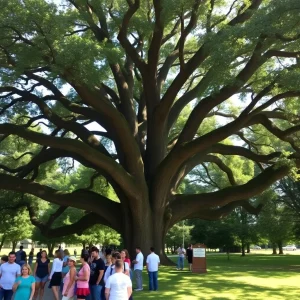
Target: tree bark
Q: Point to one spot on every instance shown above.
(2, 241)
(243, 249)
(248, 248)
(274, 249)
(279, 243)
(14, 245)
(50, 249)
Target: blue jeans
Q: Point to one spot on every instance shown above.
(5, 294)
(95, 292)
(138, 279)
(180, 263)
(153, 281)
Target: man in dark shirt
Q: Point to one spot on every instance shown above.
(96, 277)
(21, 257)
(39, 254)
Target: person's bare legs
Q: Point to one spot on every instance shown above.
(42, 290)
(55, 292)
(37, 289)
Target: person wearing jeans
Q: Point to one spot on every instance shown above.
(181, 254)
(138, 269)
(96, 281)
(9, 271)
(152, 268)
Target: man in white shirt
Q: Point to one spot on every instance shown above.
(9, 271)
(138, 268)
(118, 285)
(181, 255)
(152, 268)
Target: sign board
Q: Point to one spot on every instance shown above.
(199, 259)
(199, 252)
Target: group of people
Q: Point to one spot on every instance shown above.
(182, 254)
(100, 276)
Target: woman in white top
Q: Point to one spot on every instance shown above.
(118, 285)
(55, 275)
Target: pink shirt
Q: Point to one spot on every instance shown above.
(66, 284)
(83, 284)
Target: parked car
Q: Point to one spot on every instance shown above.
(290, 248)
(255, 247)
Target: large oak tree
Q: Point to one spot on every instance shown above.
(167, 86)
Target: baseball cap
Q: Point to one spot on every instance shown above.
(72, 258)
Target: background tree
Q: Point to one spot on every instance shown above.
(179, 234)
(97, 234)
(142, 92)
(275, 222)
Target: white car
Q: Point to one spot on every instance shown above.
(290, 248)
(256, 247)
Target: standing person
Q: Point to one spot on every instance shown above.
(118, 285)
(138, 269)
(108, 262)
(41, 273)
(30, 256)
(152, 268)
(96, 282)
(82, 278)
(24, 286)
(61, 251)
(55, 274)
(65, 268)
(38, 255)
(111, 269)
(125, 256)
(189, 256)
(4, 259)
(126, 259)
(9, 271)
(181, 255)
(21, 257)
(69, 283)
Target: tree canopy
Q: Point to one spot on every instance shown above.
(142, 93)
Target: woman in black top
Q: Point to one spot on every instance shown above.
(41, 273)
(189, 256)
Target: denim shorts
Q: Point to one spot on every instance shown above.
(43, 279)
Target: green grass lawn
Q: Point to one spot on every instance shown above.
(251, 277)
(256, 276)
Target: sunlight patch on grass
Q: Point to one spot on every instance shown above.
(249, 277)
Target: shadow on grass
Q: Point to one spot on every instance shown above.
(247, 278)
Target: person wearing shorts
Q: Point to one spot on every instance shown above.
(55, 274)
(83, 276)
(41, 273)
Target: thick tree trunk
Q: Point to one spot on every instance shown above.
(279, 243)
(145, 235)
(243, 249)
(274, 249)
(2, 241)
(50, 249)
(14, 245)
(248, 248)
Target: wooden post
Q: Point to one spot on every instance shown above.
(199, 259)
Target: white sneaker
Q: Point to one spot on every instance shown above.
(137, 290)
